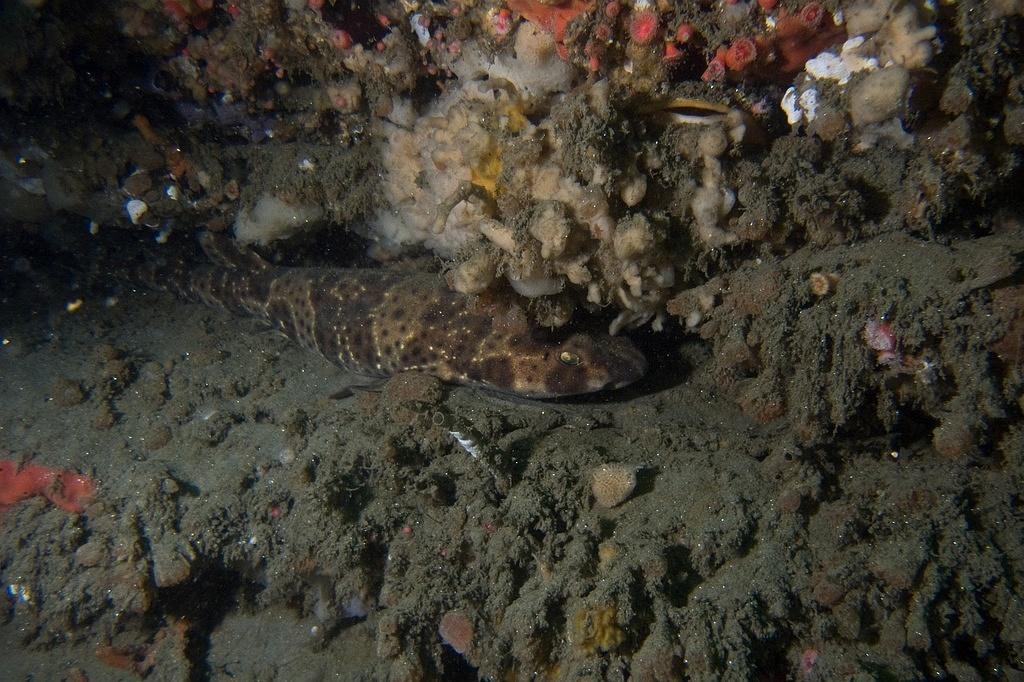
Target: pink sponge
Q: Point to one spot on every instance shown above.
(68, 490)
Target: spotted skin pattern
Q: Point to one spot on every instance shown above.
(379, 322)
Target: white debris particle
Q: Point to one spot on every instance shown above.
(840, 67)
(809, 103)
(466, 443)
(19, 592)
(800, 107)
(420, 27)
(790, 106)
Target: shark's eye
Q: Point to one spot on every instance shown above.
(569, 358)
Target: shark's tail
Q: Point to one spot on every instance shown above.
(188, 276)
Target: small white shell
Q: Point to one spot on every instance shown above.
(136, 208)
(612, 484)
(633, 190)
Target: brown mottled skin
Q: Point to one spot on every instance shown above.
(379, 322)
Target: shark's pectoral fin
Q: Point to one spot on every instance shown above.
(223, 251)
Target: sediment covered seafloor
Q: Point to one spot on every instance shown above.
(805, 215)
